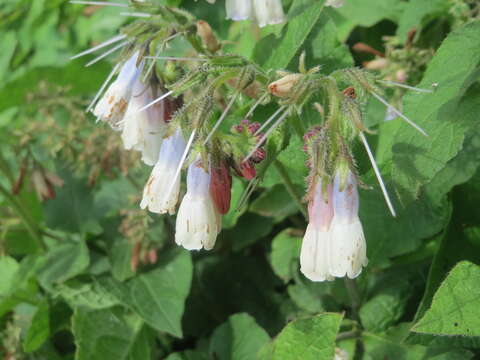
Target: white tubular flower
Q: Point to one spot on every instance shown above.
(112, 106)
(198, 222)
(155, 193)
(144, 130)
(348, 249)
(239, 9)
(335, 3)
(314, 256)
(268, 12)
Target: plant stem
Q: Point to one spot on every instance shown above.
(290, 187)
(347, 335)
(354, 295)
(28, 222)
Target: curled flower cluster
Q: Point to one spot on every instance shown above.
(171, 119)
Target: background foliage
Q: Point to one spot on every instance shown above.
(87, 275)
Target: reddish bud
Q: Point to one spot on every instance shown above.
(259, 155)
(248, 170)
(221, 188)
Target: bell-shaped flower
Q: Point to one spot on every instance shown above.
(315, 255)
(144, 130)
(239, 9)
(348, 249)
(160, 194)
(198, 222)
(112, 106)
(268, 12)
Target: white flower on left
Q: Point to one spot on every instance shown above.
(112, 106)
(198, 222)
(144, 130)
(160, 195)
(264, 12)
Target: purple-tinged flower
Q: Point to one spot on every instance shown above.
(144, 130)
(112, 106)
(348, 249)
(198, 222)
(156, 195)
(315, 255)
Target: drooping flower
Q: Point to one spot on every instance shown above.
(239, 9)
(198, 222)
(315, 254)
(348, 249)
(144, 130)
(112, 106)
(264, 12)
(157, 196)
(268, 12)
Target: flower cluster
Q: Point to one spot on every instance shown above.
(171, 120)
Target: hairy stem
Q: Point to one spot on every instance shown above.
(290, 187)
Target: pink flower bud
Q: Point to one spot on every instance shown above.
(247, 170)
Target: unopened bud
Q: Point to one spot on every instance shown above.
(377, 64)
(283, 87)
(221, 187)
(247, 170)
(204, 31)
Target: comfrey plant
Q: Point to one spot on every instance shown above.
(177, 111)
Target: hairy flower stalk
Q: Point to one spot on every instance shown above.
(112, 106)
(160, 194)
(198, 221)
(264, 12)
(348, 249)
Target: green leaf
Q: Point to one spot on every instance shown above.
(158, 296)
(443, 115)
(365, 13)
(63, 262)
(240, 338)
(109, 334)
(419, 13)
(14, 93)
(390, 346)
(307, 339)
(389, 301)
(8, 269)
(250, 228)
(285, 254)
(39, 330)
(455, 307)
(73, 209)
(275, 202)
(277, 53)
(120, 259)
(90, 295)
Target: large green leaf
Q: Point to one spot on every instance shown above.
(285, 254)
(277, 53)
(39, 329)
(306, 339)
(455, 307)
(390, 346)
(240, 338)
(442, 114)
(63, 262)
(158, 296)
(109, 334)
